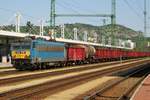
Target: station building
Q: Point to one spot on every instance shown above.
(6, 38)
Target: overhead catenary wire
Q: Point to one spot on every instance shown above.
(13, 17)
(66, 6)
(133, 10)
(22, 13)
(69, 6)
(8, 22)
(75, 3)
(139, 6)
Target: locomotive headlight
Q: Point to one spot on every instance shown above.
(27, 52)
(13, 53)
(26, 56)
(14, 56)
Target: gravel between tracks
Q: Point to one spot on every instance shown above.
(121, 87)
(47, 79)
(78, 90)
(18, 74)
(6, 73)
(26, 73)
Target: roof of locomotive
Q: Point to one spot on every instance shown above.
(42, 41)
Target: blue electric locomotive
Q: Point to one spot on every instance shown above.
(34, 54)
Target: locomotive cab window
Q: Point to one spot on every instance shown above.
(18, 46)
(26, 46)
(15, 47)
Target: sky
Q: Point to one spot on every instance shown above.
(129, 12)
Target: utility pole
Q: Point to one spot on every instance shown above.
(85, 36)
(62, 31)
(18, 22)
(75, 30)
(52, 14)
(145, 18)
(41, 28)
(113, 18)
(104, 21)
(113, 21)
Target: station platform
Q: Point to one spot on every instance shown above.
(3, 65)
(143, 91)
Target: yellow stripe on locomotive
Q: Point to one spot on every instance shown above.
(25, 54)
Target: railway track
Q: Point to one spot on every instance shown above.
(18, 76)
(58, 84)
(12, 71)
(6, 68)
(9, 72)
(4, 72)
(122, 88)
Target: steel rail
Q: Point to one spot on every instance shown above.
(108, 87)
(64, 82)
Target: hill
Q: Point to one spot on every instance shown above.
(108, 30)
(117, 30)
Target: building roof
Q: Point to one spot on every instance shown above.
(21, 35)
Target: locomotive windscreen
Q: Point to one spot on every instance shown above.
(20, 50)
(17, 46)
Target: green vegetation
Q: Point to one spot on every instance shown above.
(108, 31)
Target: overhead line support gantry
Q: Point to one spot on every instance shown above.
(53, 14)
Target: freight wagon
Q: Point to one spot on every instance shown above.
(38, 54)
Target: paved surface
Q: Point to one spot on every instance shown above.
(5, 65)
(143, 91)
